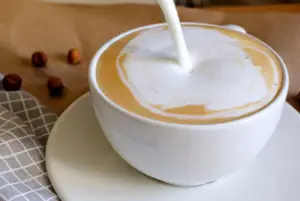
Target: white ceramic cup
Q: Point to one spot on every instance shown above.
(184, 155)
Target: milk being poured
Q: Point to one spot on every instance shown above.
(174, 67)
(171, 16)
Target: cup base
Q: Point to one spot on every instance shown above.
(179, 185)
(190, 186)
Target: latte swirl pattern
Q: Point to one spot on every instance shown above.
(233, 75)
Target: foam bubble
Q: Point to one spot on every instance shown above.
(223, 78)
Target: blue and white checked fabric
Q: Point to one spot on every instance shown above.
(24, 128)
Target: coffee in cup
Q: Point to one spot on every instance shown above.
(217, 118)
(187, 103)
(233, 75)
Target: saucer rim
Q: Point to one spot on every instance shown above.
(56, 185)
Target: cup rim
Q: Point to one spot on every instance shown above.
(93, 83)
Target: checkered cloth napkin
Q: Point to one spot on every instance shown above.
(24, 128)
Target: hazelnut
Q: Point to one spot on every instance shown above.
(12, 82)
(74, 56)
(55, 86)
(39, 59)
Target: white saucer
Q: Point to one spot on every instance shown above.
(83, 167)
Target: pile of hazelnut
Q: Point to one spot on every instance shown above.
(39, 59)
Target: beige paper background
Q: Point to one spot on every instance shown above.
(29, 25)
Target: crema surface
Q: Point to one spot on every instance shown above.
(233, 75)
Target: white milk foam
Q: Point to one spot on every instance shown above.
(223, 76)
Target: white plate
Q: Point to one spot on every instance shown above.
(83, 167)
